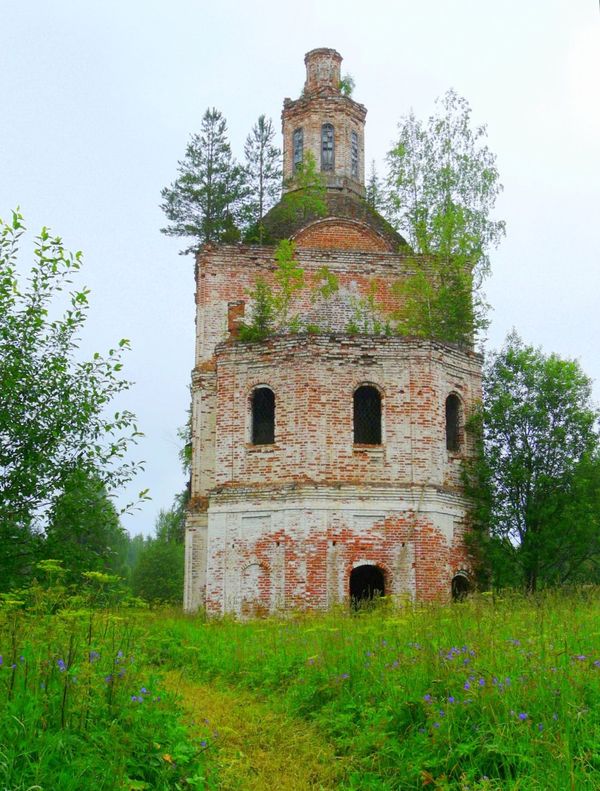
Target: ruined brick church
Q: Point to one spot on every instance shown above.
(325, 465)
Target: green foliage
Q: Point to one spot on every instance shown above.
(53, 408)
(367, 318)
(536, 480)
(204, 202)
(263, 313)
(307, 199)
(84, 530)
(325, 284)
(490, 694)
(437, 301)
(347, 85)
(442, 187)
(375, 196)
(81, 707)
(158, 575)
(263, 175)
(271, 306)
(289, 277)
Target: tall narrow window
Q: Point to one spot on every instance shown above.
(327, 147)
(354, 155)
(263, 416)
(453, 423)
(298, 148)
(367, 416)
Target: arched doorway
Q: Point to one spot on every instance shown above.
(366, 583)
(460, 586)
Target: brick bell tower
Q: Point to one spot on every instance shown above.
(325, 465)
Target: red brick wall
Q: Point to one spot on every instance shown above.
(341, 235)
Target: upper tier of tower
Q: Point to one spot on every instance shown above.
(326, 123)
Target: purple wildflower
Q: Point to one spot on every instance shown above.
(203, 743)
(523, 716)
(144, 691)
(436, 725)
(344, 676)
(427, 698)
(1, 660)
(451, 699)
(467, 685)
(540, 727)
(61, 665)
(481, 682)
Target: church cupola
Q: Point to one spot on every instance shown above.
(326, 123)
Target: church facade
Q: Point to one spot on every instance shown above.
(326, 465)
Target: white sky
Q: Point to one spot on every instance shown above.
(99, 98)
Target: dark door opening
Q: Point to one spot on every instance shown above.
(366, 583)
(460, 587)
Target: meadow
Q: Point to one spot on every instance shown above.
(497, 692)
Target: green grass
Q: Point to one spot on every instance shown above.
(82, 707)
(494, 693)
(489, 694)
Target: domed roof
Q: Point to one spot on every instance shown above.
(279, 223)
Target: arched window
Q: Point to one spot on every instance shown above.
(453, 423)
(367, 416)
(327, 147)
(263, 416)
(354, 155)
(298, 145)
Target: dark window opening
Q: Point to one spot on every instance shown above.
(298, 146)
(366, 584)
(453, 423)
(327, 147)
(263, 416)
(367, 416)
(460, 587)
(354, 155)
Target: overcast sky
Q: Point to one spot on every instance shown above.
(99, 99)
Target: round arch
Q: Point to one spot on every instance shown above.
(367, 403)
(366, 582)
(261, 399)
(461, 586)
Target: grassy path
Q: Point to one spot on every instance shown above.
(259, 748)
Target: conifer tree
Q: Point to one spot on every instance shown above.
(263, 173)
(375, 195)
(204, 201)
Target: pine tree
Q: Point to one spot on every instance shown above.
(263, 173)
(204, 201)
(375, 196)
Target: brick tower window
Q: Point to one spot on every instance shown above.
(354, 155)
(298, 148)
(263, 416)
(453, 423)
(367, 416)
(327, 147)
